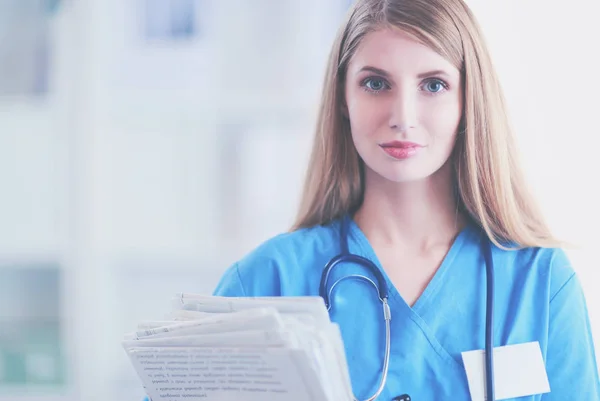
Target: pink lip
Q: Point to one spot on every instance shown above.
(400, 144)
(401, 149)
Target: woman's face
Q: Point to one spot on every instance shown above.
(404, 103)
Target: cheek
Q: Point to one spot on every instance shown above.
(364, 123)
(442, 120)
(366, 115)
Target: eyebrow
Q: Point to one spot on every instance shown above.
(384, 73)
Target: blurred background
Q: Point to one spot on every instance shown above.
(145, 145)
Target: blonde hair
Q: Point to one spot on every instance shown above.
(489, 181)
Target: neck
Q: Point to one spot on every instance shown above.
(416, 215)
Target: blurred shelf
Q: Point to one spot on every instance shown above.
(24, 105)
(41, 397)
(35, 393)
(33, 260)
(32, 332)
(36, 398)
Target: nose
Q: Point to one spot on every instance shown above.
(403, 114)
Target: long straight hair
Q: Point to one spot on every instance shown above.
(489, 182)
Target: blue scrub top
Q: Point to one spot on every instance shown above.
(537, 298)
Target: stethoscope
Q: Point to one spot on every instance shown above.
(382, 289)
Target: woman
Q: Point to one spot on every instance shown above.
(413, 155)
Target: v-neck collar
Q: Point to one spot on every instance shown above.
(363, 247)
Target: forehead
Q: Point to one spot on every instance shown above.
(398, 52)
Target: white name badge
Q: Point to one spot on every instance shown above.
(519, 371)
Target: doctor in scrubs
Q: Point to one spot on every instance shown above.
(413, 151)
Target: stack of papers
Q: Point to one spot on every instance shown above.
(225, 349)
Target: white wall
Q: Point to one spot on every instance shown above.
(144, 152)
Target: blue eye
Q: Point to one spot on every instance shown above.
(375, 84)
(435, 86)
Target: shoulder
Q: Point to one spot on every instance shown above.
(294, 245)
(522, 271)
(547, 269)
(285, 264)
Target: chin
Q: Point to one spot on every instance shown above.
(409, 171)
(403, 175)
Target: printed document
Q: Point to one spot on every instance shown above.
(224, 349)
